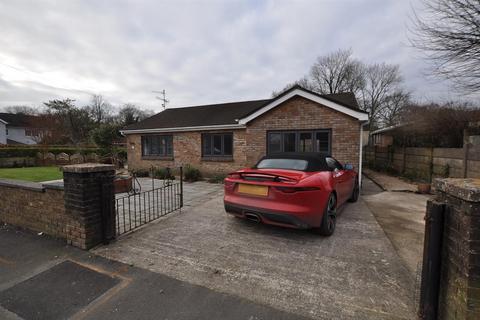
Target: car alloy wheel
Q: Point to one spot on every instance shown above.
(329, 219)
(331, 213)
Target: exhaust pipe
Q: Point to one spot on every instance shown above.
(252, 217)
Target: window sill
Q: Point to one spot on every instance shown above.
(168, 158)
(217, 159)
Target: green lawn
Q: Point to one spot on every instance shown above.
(35, 174)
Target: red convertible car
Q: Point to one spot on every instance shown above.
(300, 190)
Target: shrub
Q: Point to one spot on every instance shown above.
(122, 154)
(11, 152)
(163, 173)
(141, 173)
(217, 178)
(191, 174)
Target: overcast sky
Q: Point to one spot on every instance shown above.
(200, 52)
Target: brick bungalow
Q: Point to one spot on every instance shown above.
(221, 138)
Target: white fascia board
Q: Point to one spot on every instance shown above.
(298, 92)
(3, 121)
(184, 129)
(386, 129)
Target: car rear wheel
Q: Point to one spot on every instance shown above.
(329, 219)
(355, 192)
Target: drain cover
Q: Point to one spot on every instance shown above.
(57, 293)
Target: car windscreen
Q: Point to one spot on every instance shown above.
(291, 164)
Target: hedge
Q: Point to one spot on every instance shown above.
(10, 152)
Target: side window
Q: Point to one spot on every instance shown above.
(217, 144)
(333, 164)
(157, 145)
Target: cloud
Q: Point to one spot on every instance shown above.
(199, 51)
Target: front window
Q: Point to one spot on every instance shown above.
(32, 132)
(299, 141)
(157, 145)
(217, 144)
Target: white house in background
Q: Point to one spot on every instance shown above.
(19, 129)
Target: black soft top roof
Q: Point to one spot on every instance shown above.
(316, 161)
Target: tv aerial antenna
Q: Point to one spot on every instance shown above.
(162, 98)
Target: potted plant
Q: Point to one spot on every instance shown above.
(424, 187)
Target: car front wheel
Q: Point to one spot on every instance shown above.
(329, 219)
(355, 192)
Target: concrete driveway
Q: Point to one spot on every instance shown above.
(401, 215)
(355, 274)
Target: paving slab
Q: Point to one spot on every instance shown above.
(355, 274)
(401, 215)
(390, 183)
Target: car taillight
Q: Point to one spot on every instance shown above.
(229, 183)
(234, 176)
(295, 189)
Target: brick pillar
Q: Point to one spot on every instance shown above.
(90, 203)
(459, 296)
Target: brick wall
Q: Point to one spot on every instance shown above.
(300, 113)
(250, 143)
(82, 211)
(187, 149)
(459, 296)
(31, 206)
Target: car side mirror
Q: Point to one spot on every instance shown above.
(348, 166)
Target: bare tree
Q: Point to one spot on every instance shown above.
(449, 33)
(376, 86)
(394, 105)
(337, 72)
(303, 82)
(99, 109)
(381, 87)
(130, 113)
(332, 73)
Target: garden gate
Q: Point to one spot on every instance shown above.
(158, 198)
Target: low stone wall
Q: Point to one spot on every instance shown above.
(33, 206)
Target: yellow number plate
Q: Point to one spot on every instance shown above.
(253, 189)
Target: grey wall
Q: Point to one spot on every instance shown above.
(3, 137)
(18, 134)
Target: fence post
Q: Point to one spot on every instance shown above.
(465, 159)
(404, 162)
(430, 168)
(181, 187)
(432, 247)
